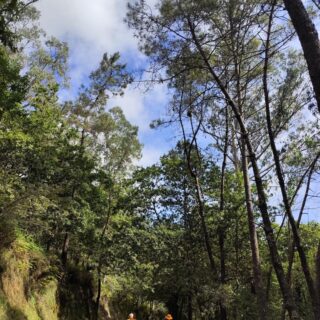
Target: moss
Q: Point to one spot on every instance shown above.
(16, 314)
(9, 313)
(27, 288)
(47, 303)
(3, 307)
(30, 290)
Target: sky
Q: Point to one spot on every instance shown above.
(92, 28)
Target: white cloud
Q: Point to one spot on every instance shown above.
(96, 22)
(92, 28)
(133, 106)
(141, 107)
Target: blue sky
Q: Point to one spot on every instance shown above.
(96, 26)
(92, 28)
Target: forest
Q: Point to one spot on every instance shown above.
(224, 226)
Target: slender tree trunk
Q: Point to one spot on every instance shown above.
(254, 244)
(203, 223)
(269, 232)
(291, 250)
(261, 299)
(279, 172)
(236, 245)
(234, 147)
(97, 302)
(199, 198)
(304, 202)
(190, 309)
(309, 40)
(269, 282)
(65, 248)
(221, 231)
(223, 310)
(188, 242)
(262, 202)
(103, 232)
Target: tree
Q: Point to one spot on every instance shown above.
(186, 49)
(309, 40)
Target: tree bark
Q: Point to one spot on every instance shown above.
(65, 248)
(104, 230)
(254, 244)
(304, 202)
(190, 309)
(280, 176)
(199, 198)
(97, 302)
(223, 310)
(261, 299)
(309, 40)
(222, 231)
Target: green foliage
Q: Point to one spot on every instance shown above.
(85, 234)
(28, 285)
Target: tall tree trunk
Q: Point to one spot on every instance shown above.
(261, 298)
(304, 202)
(280, 176)
(223, 309)
(254, 244)
(237, 246)
(103, 232)
(269, 283)
(200, 201)
(199, 197)
(309, 40)
(222, 231)
(190, 309)
(234, 147)
(189, 244)
(65, 248)
(262, 201)
(97, 302)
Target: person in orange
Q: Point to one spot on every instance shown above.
(131, 317)
(168, 317)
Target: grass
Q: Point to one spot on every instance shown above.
(22, 296)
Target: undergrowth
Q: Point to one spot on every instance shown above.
(28, 286)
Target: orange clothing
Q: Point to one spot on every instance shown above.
(168, 317)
